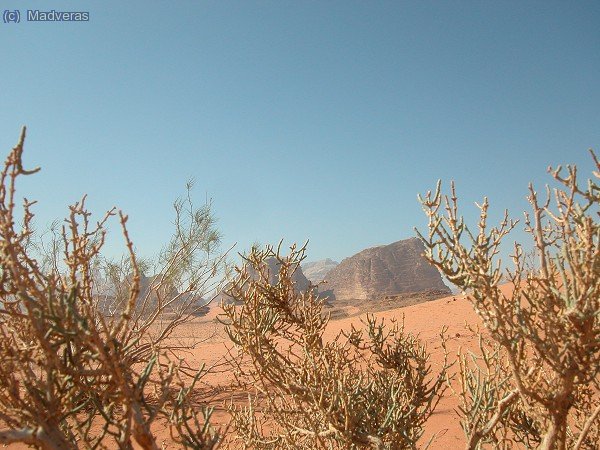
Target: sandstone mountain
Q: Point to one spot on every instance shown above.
(316, 271)
(383, 271)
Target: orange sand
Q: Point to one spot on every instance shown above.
(426, 319)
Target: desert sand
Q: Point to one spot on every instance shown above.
(426, 319)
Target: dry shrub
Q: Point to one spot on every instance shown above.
(87, 362)
(369, 388)
(538, 383)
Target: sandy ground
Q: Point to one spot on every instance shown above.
(426, 319)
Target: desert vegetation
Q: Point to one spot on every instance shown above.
(90, 358)
(369, 388)
(536, 382)
(87, 361)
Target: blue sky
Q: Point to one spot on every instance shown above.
(301, 120)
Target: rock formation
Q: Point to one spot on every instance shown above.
(384, 271)
(316, 271)
(301, 283)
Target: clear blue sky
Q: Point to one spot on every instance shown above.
(300, 119)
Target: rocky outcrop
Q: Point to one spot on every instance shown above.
(316, 271)
(301, 283)
(112, 299)
(384, 271)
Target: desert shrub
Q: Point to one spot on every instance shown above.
(367, 388)
(88, 361)
(538, 385)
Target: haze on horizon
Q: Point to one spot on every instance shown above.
(301, 120)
